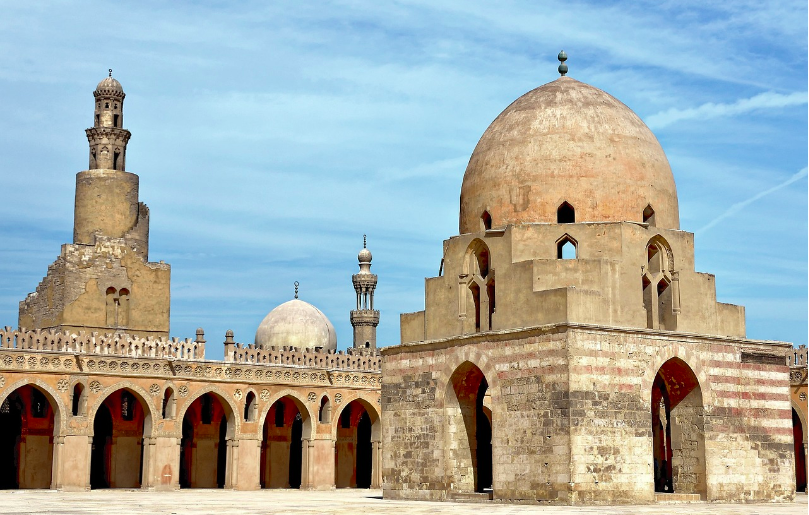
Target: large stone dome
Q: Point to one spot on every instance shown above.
(297, 324)
(569, 142)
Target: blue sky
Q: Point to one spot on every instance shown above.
(270, 136)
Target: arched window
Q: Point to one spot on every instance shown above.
(486, 220)
(649, 216)
(279, 414)
(206, 409)
(478, 295)
(127, 405)
(79, 400)
(250, 406)
(566, 214)
(39, 404)
(123, 308)
(324, 414)
(566, 248)
(169, 403)
(112, 307)
(345, 418)
(661, 286)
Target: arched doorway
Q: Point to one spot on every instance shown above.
(678, 430)
(800, 452)
(354, 451)
(116, 459)
(286, 425)
(468, 430)
(27, 422)
(207, 426)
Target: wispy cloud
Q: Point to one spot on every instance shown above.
(708, 110)
(735, 208)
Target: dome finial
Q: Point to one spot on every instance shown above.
(296, 288)
(110, 72)
(562, 67)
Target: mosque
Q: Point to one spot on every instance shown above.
(568, 351)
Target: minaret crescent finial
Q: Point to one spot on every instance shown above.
(364, 242)
(110, 72)
(296, 288)
(562, 66)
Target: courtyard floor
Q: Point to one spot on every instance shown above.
(343, 502)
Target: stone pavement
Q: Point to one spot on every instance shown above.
(342, 502)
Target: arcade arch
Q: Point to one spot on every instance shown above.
(208, 427)
(799, 436)
(468, 430)
(287, 424)
(357, 434)
(121, 420)
(28, 423)
(678, 430)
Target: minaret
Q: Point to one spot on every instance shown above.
(106, 195)
(103, 282)
(365, 318)
(107, 137)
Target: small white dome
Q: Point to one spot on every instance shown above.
(296, 324)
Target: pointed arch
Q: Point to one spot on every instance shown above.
(562, 245)
(123, 418)
(30, 416)
(299, 402)
(678, 430)
(660, 285)
(210, 423)
(150, 413)
(287, 425)
(324, 411)
(476, 292)
(565, 213)
(648, 215)
(486, 220)
(60, 418)
(356, 433)
(467, 430)
(231, 409)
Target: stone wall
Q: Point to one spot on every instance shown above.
(571, 415)
(74, 294)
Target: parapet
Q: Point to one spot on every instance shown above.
(797, 358)
(118, 344)
(353, 359)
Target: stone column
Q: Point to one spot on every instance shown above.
(232, 464)
(376, 464)
(249, 465)
(675, 293)
(147, 478)
(307, 464)
(56, 468)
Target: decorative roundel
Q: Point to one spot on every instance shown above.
(802, 396)
(237, 394)
(95, 386)
(338, 398)
(2, 381)
(62, 385)
(265, 395)
(312, 397)
(154, 389)
(183, 390)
